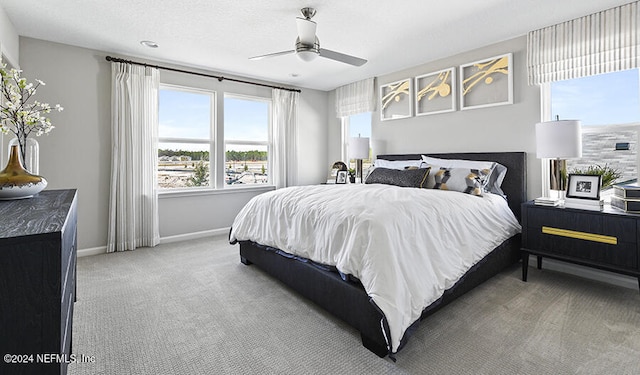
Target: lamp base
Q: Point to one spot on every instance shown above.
(358, 171)
(558, 175)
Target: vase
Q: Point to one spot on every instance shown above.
(16, 182)
(31, 161)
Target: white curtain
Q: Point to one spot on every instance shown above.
(284, 138)
(356, 97)
(133, 200)
(602, 42)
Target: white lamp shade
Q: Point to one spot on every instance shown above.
(558, 139)
(359, 148)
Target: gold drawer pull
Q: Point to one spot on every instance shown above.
(580, 235)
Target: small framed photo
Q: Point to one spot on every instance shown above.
(333, 171)
(584, 186)
(341, 177)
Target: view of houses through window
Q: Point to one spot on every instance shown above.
(608, 107)
(186, 140)
(185, 137)
(246, 133)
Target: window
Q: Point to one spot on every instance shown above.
(608, 106)
(246, 139)
(356, 126)
(185, 137)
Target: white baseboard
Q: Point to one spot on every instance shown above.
(92, 251)
(169, 239)
(586, 272)
(194, 235)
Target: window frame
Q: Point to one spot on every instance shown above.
(546, 115)
(267, 143)
(211, 141)
(345, 133)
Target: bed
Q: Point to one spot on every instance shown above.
(344, 296)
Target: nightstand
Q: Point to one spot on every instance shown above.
(606, 239)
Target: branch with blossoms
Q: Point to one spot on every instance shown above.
(17, 114)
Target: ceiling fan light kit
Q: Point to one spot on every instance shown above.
(306, 52)
(308, 45)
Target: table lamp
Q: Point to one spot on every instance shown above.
(358, 150)
(558, 140)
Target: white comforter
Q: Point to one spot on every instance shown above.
(406, 245)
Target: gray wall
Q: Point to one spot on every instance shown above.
(9, 40)
(500, 128)
(76, 154)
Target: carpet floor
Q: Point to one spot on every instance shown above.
(193, 308)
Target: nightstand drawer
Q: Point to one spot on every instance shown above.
(622, 229)
(621, 254)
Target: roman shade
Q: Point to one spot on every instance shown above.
(602, 42)
(356, 97)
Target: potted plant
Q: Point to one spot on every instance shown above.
(352, 175)
(609, 175)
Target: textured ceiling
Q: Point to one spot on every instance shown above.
(220, 35)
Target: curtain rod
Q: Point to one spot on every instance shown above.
(219, 78)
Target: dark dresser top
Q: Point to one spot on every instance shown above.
(42, 214)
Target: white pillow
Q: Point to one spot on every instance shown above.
(496, 175)
(398, 164)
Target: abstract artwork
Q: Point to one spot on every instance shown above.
(435, 92)
(395, 100)
(486, 83)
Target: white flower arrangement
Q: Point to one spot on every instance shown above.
(17, 115)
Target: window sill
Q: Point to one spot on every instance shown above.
(179, 193)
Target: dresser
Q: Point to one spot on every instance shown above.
(37, 282)
(606, 239)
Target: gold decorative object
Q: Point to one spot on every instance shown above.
(485, 70)
(438, 86)
(395, 100)
(487, 82)
(395, 93)
(434, 92)
(16, 182)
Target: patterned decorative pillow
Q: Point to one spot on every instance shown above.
(404, 178)
(465, 180)
(491, 184)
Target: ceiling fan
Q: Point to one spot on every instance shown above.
(308, 45)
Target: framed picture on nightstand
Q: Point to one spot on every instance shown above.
(341, 177)
(584, 186)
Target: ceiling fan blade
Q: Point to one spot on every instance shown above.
(347, 59)
(306, 30)
(272, 55)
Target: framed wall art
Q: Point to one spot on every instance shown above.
(395, 100)
(435, 92)
(487, 83)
